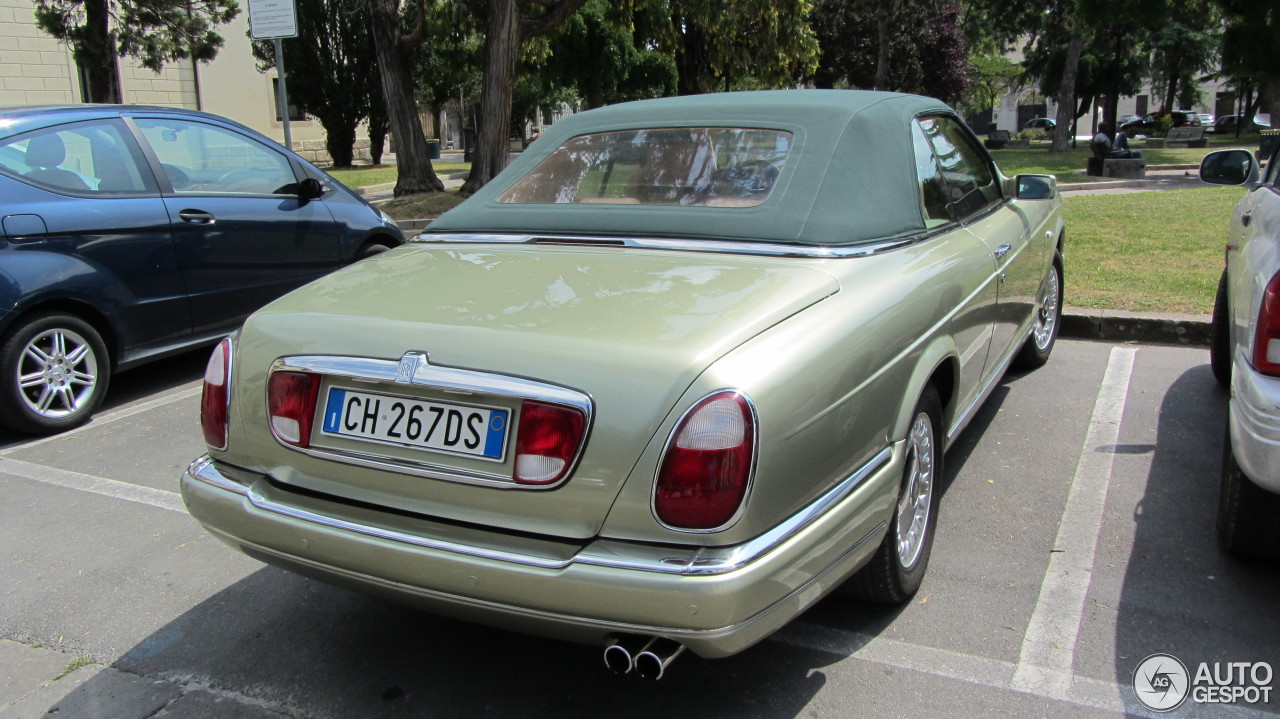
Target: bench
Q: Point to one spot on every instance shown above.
(1100, 165)
(996, 139)
(1186, 136)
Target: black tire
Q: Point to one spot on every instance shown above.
(1038, 347)
(891, 578)
(1247, 513)
(1220, 344)
(371, 249)
(66, 385)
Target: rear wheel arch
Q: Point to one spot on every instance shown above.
(939, 367)
(78, 309)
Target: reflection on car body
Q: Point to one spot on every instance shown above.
(720, 344)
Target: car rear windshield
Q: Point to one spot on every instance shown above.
(689, 166)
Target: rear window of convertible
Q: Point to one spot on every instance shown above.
(691, 166)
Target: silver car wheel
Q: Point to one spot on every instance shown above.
(57, 373)
(1047, 319)
(917, 491)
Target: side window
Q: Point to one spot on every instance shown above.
(971, 186)
(87, 158)
(202, 159)
(933, 188)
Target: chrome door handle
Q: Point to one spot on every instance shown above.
(196, 217)
(1001, 251)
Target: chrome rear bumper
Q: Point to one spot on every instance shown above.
(717, 601)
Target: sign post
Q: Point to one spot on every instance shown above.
(275, 20)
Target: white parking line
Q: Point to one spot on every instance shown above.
(985, 672)
(115, 489)
(109, 417)
(1046, 663)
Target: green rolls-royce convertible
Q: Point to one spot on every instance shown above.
(685, 367)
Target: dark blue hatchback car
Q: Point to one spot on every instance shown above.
(130, 233)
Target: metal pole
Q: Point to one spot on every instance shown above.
(284, 95)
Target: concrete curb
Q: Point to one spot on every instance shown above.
(1146, 327)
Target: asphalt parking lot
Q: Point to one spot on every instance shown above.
(1076, 539)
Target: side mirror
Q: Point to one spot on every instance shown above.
(310, 188)
(1036, 187)
(1229, 167)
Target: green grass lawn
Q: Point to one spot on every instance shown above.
(1069, 166)
(1147, 251)
(366, 175)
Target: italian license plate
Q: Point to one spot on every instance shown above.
(434, 426)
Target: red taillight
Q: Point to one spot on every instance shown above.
(547, 441)
(291, 404)
(707, 467)
(215, 399)
(1266, 344)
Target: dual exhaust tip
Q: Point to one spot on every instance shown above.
(649, 656)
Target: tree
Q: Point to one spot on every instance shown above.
(718, 45)
(509, 23)
(925, 54)
(1251, 38)
(414, 173)
(991, 75)
(1185, 43)
(152, 31)
(622, 67)
(328, 67)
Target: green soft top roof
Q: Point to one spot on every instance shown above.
(850, 177)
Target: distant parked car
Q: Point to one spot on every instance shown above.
(1206, 119)
(1041, 123)
(1226, 125)
(1245, 355)
(1128, 118)
(130, 233)
(1149, 123)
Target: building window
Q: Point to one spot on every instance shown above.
(1141, 107)
(295, 115)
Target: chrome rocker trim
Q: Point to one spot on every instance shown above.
(699, 561)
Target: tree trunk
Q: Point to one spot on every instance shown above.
(882, 52)
(96, 55)
(691, 60)
(339, 140)
(1065, 129)
(377, 131)
(413, 166)
(501, 46)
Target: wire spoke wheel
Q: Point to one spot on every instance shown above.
(917, 492)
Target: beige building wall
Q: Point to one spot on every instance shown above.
(36, 69)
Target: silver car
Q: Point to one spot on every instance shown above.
(1245, 355)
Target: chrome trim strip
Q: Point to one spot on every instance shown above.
(414, 368)
(449, 379)
(771, 249)
(701, 561)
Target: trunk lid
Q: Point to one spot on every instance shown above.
(629, 328)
